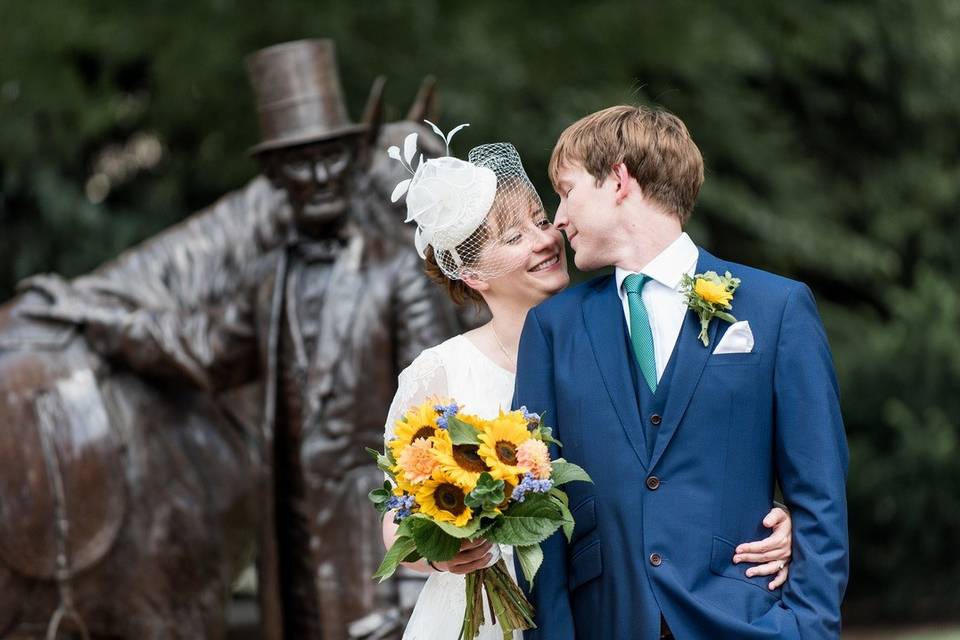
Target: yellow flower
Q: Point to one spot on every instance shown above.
(462, 462)
(418, 422)
(533, 456)
(713, 292)
(500, 442)
(417, 461)
(442, 499)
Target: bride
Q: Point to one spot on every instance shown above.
(486, 239)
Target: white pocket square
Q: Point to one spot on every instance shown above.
(737, 339)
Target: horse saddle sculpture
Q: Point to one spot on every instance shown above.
(62, 471)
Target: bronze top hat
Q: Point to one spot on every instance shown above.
(298, 94)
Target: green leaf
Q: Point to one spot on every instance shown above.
(723, 315)
(466, 531)
(402, 547)
(432, 541)
(530, 557)
(385, 460)
(564, 472)
(564, 502)
(461, 432)
(378, 496)
(546, 434)
(529, 522)
(486, 495)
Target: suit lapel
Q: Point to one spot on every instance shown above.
(603, 317)
(691, 358)
(341, 301)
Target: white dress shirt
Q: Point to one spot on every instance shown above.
(661, 295)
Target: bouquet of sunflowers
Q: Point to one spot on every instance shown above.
(457, 477)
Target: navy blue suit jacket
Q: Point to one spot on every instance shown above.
(733, 426)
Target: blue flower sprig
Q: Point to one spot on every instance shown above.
(404, 506)
(529, 484)
(445, 411)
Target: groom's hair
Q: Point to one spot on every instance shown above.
(654, 145)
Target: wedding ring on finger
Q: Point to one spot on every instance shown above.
(780, 565)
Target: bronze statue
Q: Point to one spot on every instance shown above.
(290, 283)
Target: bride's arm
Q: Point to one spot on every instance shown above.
(424, 379)
(390, 536)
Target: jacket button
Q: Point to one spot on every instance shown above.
(656, 559)
(655, 419)
(653, 483)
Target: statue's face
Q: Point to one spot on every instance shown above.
(316, 177)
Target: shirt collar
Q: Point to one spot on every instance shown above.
(669, 266)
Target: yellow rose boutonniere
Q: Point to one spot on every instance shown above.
(709, 296)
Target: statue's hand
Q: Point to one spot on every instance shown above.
(51, 285)
(67, 303)
(57, 313)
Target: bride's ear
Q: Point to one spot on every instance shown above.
(475, 283)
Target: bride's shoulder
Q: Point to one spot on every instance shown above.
(433, 359)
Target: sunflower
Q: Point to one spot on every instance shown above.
(442, 498)
(713, 292)
(499, 443)
(462, 462)
(418, 422)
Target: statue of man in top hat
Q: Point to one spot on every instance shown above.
(327, 319)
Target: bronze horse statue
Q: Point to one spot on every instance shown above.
(128, 506)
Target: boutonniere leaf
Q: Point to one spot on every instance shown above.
(709, 296)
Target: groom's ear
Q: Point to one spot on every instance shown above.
(624, 181)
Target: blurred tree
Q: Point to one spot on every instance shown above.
(828, 128)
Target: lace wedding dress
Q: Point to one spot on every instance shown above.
(456, 369)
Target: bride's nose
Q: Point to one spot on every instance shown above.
(543, 239)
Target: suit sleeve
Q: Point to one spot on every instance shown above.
(535, 388)
(211, 349)
(811, 457)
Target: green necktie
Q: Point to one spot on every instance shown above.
(640, 336)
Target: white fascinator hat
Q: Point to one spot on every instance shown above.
(450, 199)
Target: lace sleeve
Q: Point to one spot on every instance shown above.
(424, 378)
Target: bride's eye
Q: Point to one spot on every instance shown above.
(512, 238)
(543, 224)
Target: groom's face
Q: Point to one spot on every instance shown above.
(587, 214)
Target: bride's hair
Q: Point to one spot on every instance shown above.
(458, 290)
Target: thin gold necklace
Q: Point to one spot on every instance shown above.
(500, 344)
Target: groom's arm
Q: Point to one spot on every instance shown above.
(535, 390)
(811, 458)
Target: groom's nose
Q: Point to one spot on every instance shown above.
(560, 219)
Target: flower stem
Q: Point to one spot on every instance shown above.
(508, 605)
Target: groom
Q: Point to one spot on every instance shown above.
(685, 442)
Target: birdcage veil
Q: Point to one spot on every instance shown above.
(476, 215)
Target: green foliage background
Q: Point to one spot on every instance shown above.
(829, 131)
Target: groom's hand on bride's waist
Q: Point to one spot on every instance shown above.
(772, 554)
